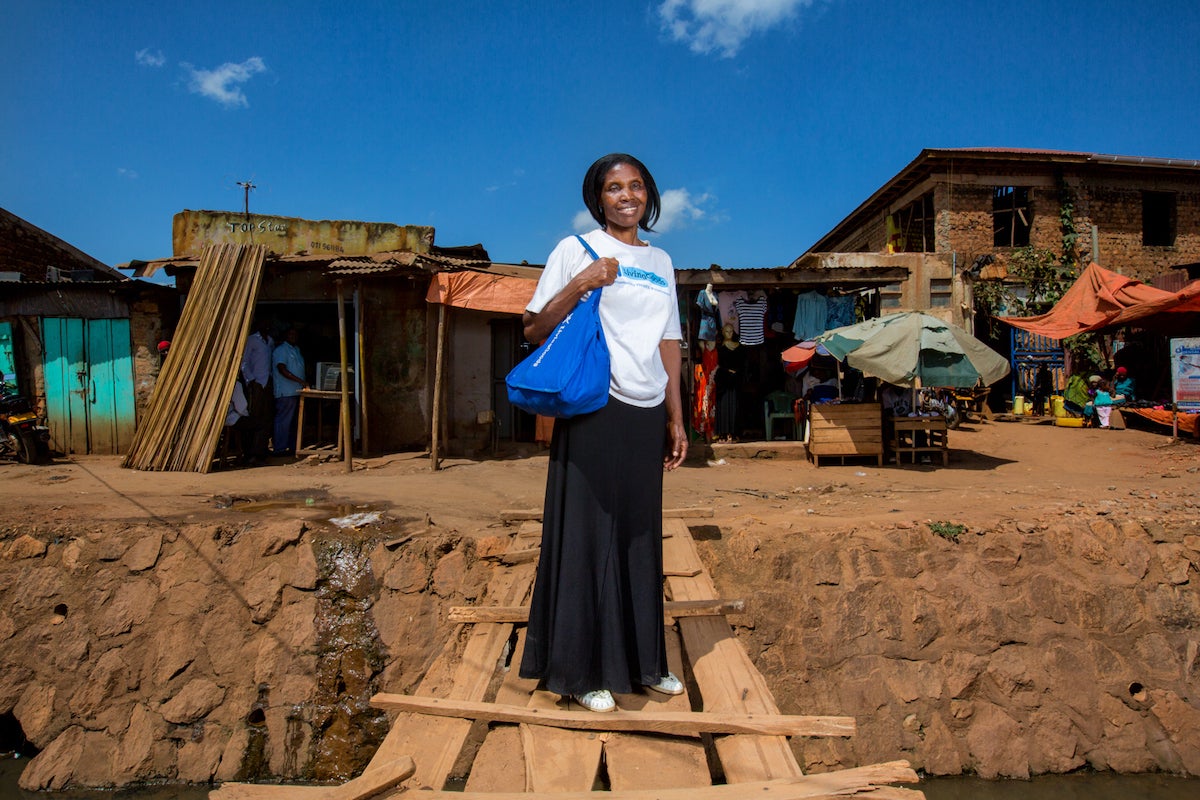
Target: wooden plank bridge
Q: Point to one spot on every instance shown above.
(472, 715)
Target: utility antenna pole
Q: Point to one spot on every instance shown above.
(247, 186)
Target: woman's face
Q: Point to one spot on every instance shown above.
(623, 197)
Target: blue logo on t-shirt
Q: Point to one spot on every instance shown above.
(639, 274)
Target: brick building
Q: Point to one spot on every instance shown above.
(1134, 215)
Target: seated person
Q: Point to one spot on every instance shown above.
(1075, 395)
(818, 385)
(1122, 387)
(894, 400)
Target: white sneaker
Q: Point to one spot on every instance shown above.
(667, 684)
(600, 700)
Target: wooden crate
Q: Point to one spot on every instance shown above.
(845, 429)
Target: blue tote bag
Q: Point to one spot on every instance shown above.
(568, 374)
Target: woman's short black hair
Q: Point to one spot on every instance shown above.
(593, 187)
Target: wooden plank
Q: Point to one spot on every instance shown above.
(371, 783)
(846, 449)
(522, 514)
(693, 512)
(839, 435)
(672, 610)
(872, 781)
(559, 760)
(435, 743)
(499, 766)
(724, 674)
(675, 723)
(638, 761)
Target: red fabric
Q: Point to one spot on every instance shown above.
(1187, 421)
(1100, 298)
(481, 291)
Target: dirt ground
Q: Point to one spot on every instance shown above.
(999, 470)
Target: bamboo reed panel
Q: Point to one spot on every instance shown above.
(186, 413)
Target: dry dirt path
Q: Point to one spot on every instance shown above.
(998, 471)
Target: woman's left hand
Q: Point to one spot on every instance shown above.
(677, 445)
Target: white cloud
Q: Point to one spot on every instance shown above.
(125, 172)
(223, 83)
(722, 26)
(150, 58)
(583, 222)
(677, 209)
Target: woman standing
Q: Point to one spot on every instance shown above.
(596, 616)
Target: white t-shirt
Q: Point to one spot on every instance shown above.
(637, 312)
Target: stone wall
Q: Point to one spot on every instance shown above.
(1044, 647)
(210, 652)
(197, 652)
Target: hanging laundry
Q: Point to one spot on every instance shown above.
(810, 316)
(752, 316)
(709, 326)
(840, 311)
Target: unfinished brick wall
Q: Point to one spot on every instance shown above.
(964, 225)
(1116, 211)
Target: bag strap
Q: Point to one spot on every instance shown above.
(587, 247)
(593, 297)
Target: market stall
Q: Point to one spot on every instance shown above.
(911, 350)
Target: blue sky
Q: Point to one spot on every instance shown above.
(765, 122)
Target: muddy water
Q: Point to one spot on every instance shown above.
(1054, 787)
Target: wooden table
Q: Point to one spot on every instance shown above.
(906, 434)
(320, 396)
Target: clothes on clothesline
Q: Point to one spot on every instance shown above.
(709, 324)
(751, 316)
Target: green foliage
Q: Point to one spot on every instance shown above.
(1046, 275)
(948, 530)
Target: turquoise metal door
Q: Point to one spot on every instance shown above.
(8, 361)
(89, 384)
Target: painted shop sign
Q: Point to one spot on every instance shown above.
(1185, 373)
(192, 230)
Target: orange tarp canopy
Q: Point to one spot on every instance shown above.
(481, 291)
(1100, 298)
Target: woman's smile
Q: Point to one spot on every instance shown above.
(623, 197)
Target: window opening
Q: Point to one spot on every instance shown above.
(941, 291)
(1158, 219)
(1011, 216)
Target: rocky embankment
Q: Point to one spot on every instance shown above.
(1038, 647)
(204, 651)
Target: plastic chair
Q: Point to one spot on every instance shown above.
(778, 405)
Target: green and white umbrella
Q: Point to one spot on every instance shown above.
(914, 349)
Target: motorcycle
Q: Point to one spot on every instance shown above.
(22, 433)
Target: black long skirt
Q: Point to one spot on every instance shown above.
(596, 617)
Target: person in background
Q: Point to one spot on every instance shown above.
(1102, 403)
(1122, 387)
(1089, 408)
(1043, 387)
(1075, 395)
(256, 377)
(289, 381)
(596, 615)
(164, 347)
